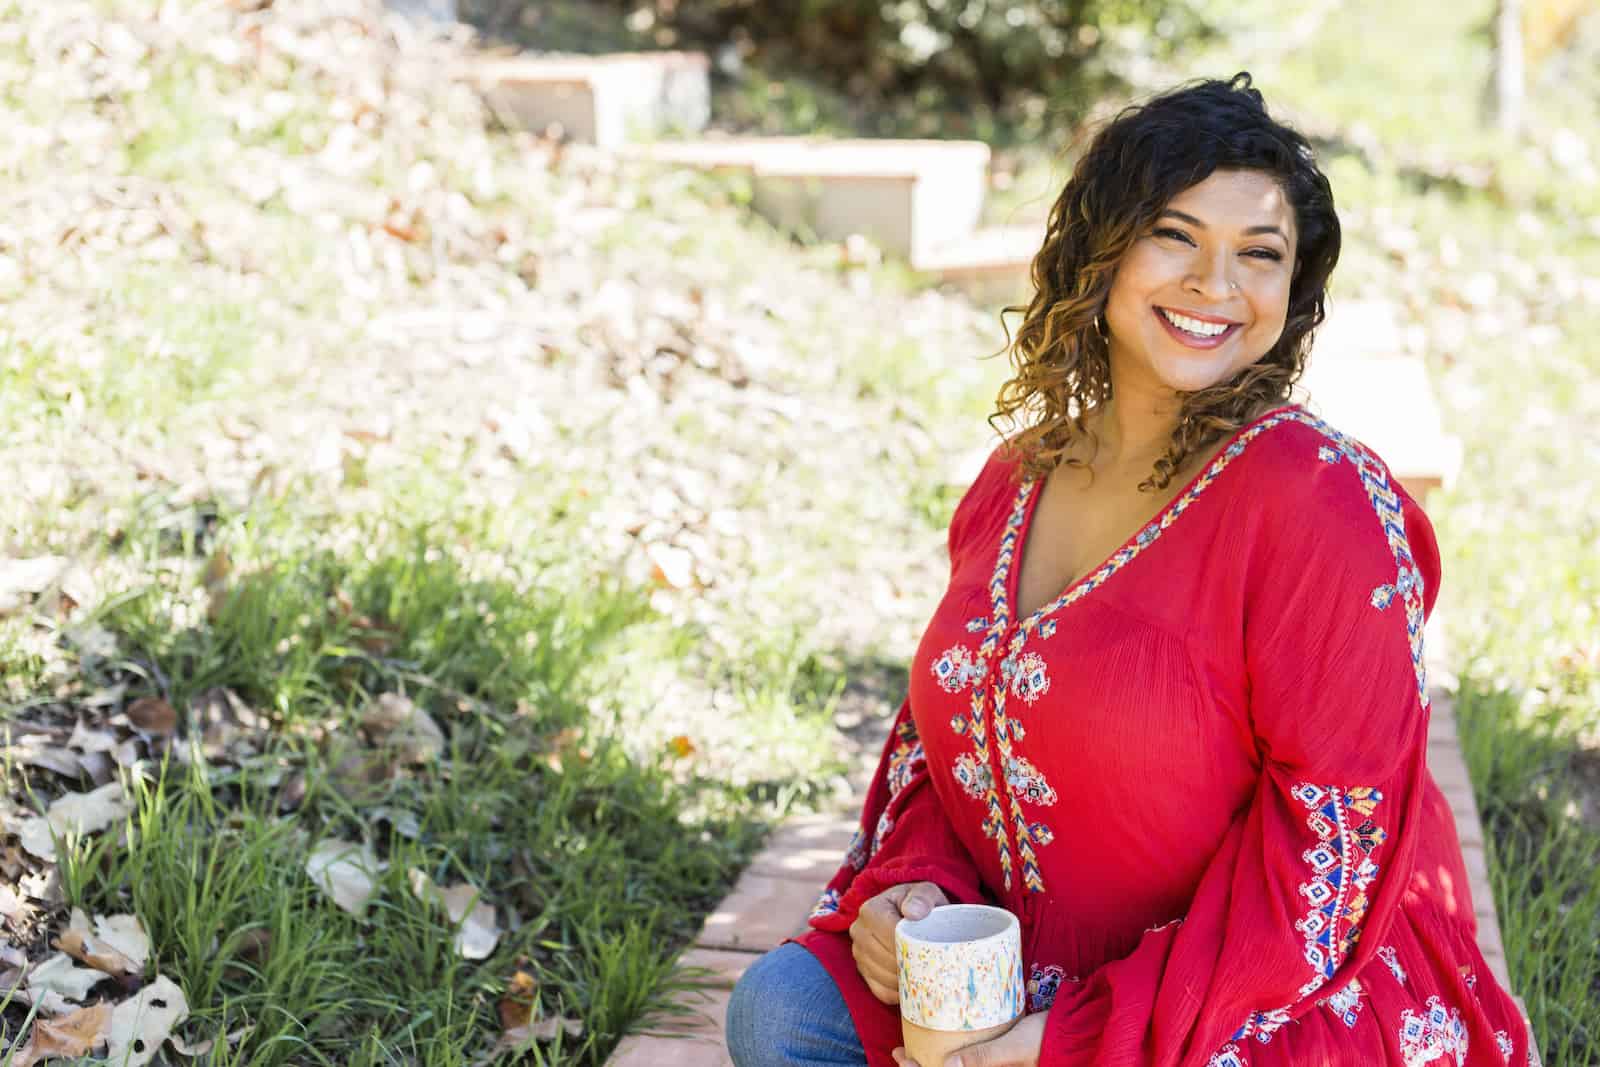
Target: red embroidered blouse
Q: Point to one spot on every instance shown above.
(1197, 777)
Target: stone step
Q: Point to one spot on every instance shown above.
(907, 196)
(606, 100)
(991, 264)
(1387, 403)
(694, 1039)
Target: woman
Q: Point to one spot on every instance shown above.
(1172, 711)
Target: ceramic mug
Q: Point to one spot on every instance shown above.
(960, 971)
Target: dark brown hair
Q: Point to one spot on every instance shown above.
(1146, 155)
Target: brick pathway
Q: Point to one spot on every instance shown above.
(774, 896)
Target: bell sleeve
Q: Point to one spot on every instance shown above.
(1311, 872)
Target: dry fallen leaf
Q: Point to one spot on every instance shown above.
(79, 942)
(75, 1034)
(201, 1048)
(58, 975)
(36, 750)
(140, 1023)
(400, 724)
(516, 1007)
(117, 944)
(125, 933)
(347, 872)
(478, 931)
(152, 715)
(84, 739)
(83, 813)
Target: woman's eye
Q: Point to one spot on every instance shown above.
(1265, 253)
(1179, 234)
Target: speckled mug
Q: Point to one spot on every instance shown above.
(960, 974)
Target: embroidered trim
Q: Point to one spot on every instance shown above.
(1025, 781)
(1026, 676)
(1262, 1025)
(1387, 954)
(973, 777)
(856, 854)
(1346, 1004)
(1342, 869)
(885, 828)
(1408, 585)
(908, 756)
(956, 669)
(1433, 1035)
(1043, 985)
(1502, 1041)
(827, 904)
(1228, 1056)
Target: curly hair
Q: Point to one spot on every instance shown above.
(1146, 155)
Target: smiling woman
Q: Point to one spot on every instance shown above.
(1180, 732)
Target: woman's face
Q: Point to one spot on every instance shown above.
(1204, 292)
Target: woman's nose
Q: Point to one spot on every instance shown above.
(1212, 278)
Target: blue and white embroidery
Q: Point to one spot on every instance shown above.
(1026, 783)
(1502, 1041)
(1346, 1003)
(885, 828)
(856, 856)
(973, 777)
(827, 904)
(1437, 1034)
(1262, 1025)
(1390, 960)
(906, 759)
(1342, 870)
(1228, 1056)
(956, 669)
(1026, 676)
(1043, 984)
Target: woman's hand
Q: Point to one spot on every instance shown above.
(872, 934)
(1017, 1047)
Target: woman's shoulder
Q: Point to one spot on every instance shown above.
(1304, 468)
(1323, 498)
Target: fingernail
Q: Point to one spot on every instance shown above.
(916, 910)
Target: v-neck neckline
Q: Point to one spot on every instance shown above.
(1008, 562)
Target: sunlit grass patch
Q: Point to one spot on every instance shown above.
(599, 863)
(1543, 847)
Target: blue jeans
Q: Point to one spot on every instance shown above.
(786, 1012)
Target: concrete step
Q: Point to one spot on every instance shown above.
(908, 196)
(606, 100)
(1360, 379)
(991, 264)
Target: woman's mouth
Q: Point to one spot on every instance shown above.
(1196, 333)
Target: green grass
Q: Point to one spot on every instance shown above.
(1542, 851)
(538, 816)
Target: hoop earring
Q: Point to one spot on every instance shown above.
(1100, 327)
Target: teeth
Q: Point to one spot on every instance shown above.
(1195, 326)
